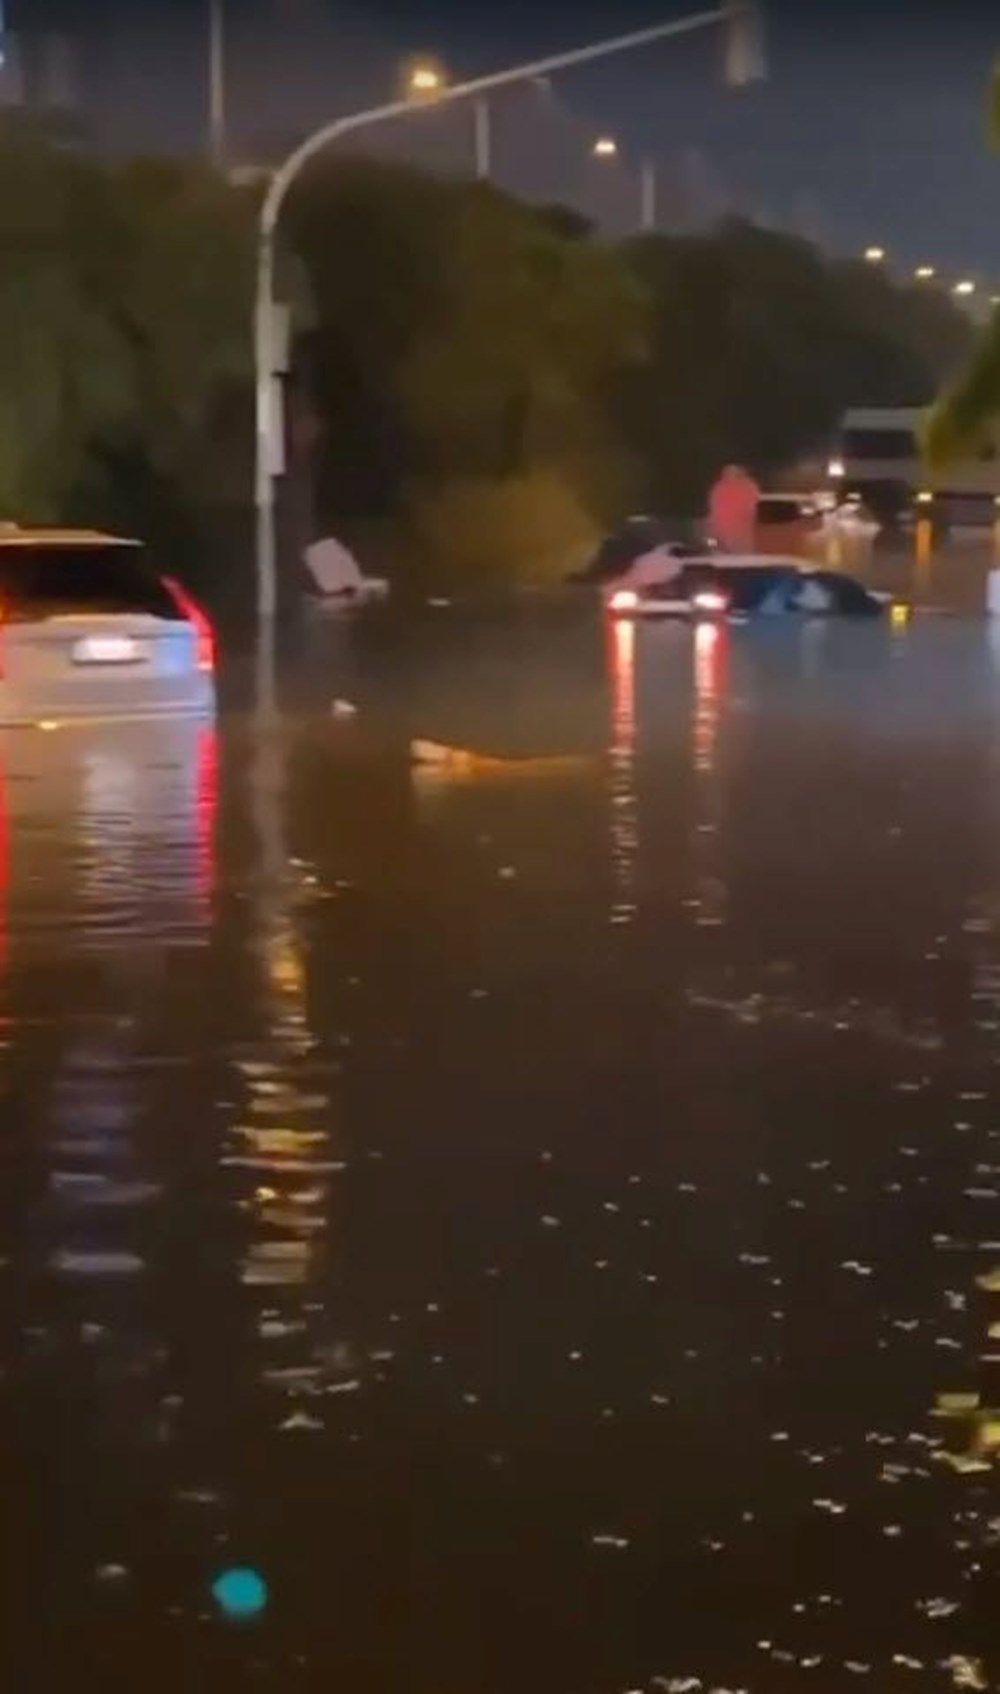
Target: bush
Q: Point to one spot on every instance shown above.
(530, 529)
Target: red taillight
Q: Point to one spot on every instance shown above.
(200, 620)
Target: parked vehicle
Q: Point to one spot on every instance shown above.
(88, 628)
(877, 458)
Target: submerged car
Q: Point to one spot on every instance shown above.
(88, 628)
(643, 546)
(749, 587)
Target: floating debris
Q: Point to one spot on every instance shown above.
(301, 1420)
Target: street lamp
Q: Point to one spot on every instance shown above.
(874, 255)
(745, 65)
(965, 287)
(924, 273)
(424, 79)
(605, 147)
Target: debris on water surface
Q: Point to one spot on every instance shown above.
(967, 1672)
(301, 1420)
(938, 1607)
(955, 1404)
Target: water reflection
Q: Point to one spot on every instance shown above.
(617, 1317)
(280, 1151)
(710, 662)
(623, 799)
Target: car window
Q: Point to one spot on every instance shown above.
(750, 587)
(51, 581)
(844, 594)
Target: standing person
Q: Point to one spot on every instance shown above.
(732, 509)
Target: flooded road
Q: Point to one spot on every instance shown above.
(515, 1225)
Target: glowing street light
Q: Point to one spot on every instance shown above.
(605, 147)
(874, 255)
(424, 79)
(924, 273)
(965, 287)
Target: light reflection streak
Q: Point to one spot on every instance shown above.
(709, 680)
(206, 810)
(280, 1148)
(621, 651)
(923, 552)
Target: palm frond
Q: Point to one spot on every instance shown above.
(962, 418)
(993, 108)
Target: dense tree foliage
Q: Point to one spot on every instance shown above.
(466, 354)
(759, 345)
(124, 333)
(967, 413)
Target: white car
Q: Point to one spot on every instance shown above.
(89, 629)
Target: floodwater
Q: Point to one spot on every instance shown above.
(540, 1217)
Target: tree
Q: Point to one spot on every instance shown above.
(461, 336)
(759, 345)
(966, 413)
(124, 335)
(65, 378)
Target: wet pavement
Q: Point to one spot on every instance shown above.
(535, 1217)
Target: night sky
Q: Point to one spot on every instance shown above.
(870, 129)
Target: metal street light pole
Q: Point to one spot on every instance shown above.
(647, 196)
(484, 139)
(217, 83)
(268, 397)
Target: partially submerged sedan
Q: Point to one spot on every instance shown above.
(751, 587)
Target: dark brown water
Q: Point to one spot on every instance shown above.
(529, 1213)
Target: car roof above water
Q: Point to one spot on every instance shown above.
(14, 535)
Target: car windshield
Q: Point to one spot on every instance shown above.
(42, 581)
(746, 587)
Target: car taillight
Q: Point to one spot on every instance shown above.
(709, 600)
(624, 600)
(199, 619)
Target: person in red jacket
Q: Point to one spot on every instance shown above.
(732, 509)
